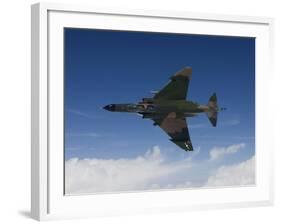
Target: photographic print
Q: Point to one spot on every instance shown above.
(155, 111)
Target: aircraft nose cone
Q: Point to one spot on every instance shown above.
(110, 107)
(106, 107)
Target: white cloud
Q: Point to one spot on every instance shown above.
(154, 170)
(224, 123)
(238, 174)
(232, 122)
(105, 175)
(219, 152)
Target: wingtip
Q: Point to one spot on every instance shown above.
(185, 72)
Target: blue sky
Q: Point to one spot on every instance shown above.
(103, 67)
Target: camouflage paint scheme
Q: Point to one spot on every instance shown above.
(169, 109)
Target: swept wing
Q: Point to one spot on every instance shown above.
(177, 129)
(177, 87)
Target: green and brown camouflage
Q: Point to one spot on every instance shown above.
(169, 108)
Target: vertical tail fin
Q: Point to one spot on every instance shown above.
(213, 110)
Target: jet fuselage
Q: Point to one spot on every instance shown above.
(180, 108)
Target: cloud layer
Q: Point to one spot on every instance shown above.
(140, 173)
(238, 174)
(153, 171)
(219, 152)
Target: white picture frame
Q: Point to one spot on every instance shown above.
(48, 200)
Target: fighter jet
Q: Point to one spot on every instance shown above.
(169, 109)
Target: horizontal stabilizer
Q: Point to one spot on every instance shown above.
(213, 117)
(213, 110)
